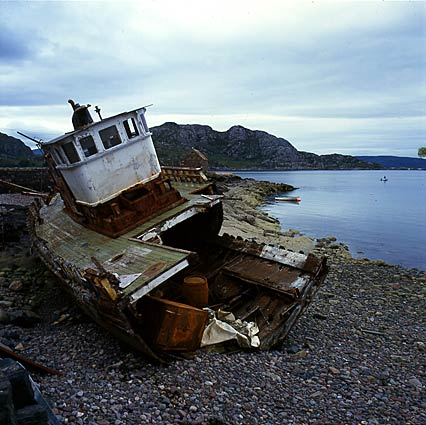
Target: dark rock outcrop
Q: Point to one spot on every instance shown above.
(241, 148)
(14, 153)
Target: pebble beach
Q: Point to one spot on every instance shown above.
(357, 355)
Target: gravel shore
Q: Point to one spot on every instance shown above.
(357, 356)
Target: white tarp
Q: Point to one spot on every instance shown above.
(225, 327)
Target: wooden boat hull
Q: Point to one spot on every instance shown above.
(126, 233)
(268, 286)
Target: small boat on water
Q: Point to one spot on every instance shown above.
(137, 245)
(287, 198)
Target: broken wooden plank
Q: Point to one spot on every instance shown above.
(31, 364)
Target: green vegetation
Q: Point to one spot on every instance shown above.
(228, 162)
(422, 152)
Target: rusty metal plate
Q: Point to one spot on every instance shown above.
(172, 325)
(268, 274)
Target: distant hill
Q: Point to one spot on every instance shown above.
(14, 153)
(241, 148)
(395, 161)
(37, 152)
(236, 148)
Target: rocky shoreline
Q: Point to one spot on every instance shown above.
(355, 357)
(242, 197)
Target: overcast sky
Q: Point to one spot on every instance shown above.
(345, 77)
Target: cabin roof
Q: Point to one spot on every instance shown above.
(92, 125)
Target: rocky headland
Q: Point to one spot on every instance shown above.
(243, 148)
(355, 357)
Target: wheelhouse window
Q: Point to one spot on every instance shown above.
(130, 127)
(58, 156)
(110, 137)
(70, 152)
(88, 145)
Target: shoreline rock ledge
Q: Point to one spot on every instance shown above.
(243, 218)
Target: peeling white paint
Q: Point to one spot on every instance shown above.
(282, 256)
(299, 283)
(148, 287)
(127, 279)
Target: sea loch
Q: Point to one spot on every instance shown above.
(377, 219)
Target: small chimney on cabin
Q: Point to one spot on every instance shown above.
(81, 116)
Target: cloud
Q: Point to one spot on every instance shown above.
(289, 68)
(12, 49)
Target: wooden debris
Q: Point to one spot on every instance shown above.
(31, 364)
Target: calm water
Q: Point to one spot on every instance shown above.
(378, 220)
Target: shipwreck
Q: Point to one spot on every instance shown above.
(138, 246)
